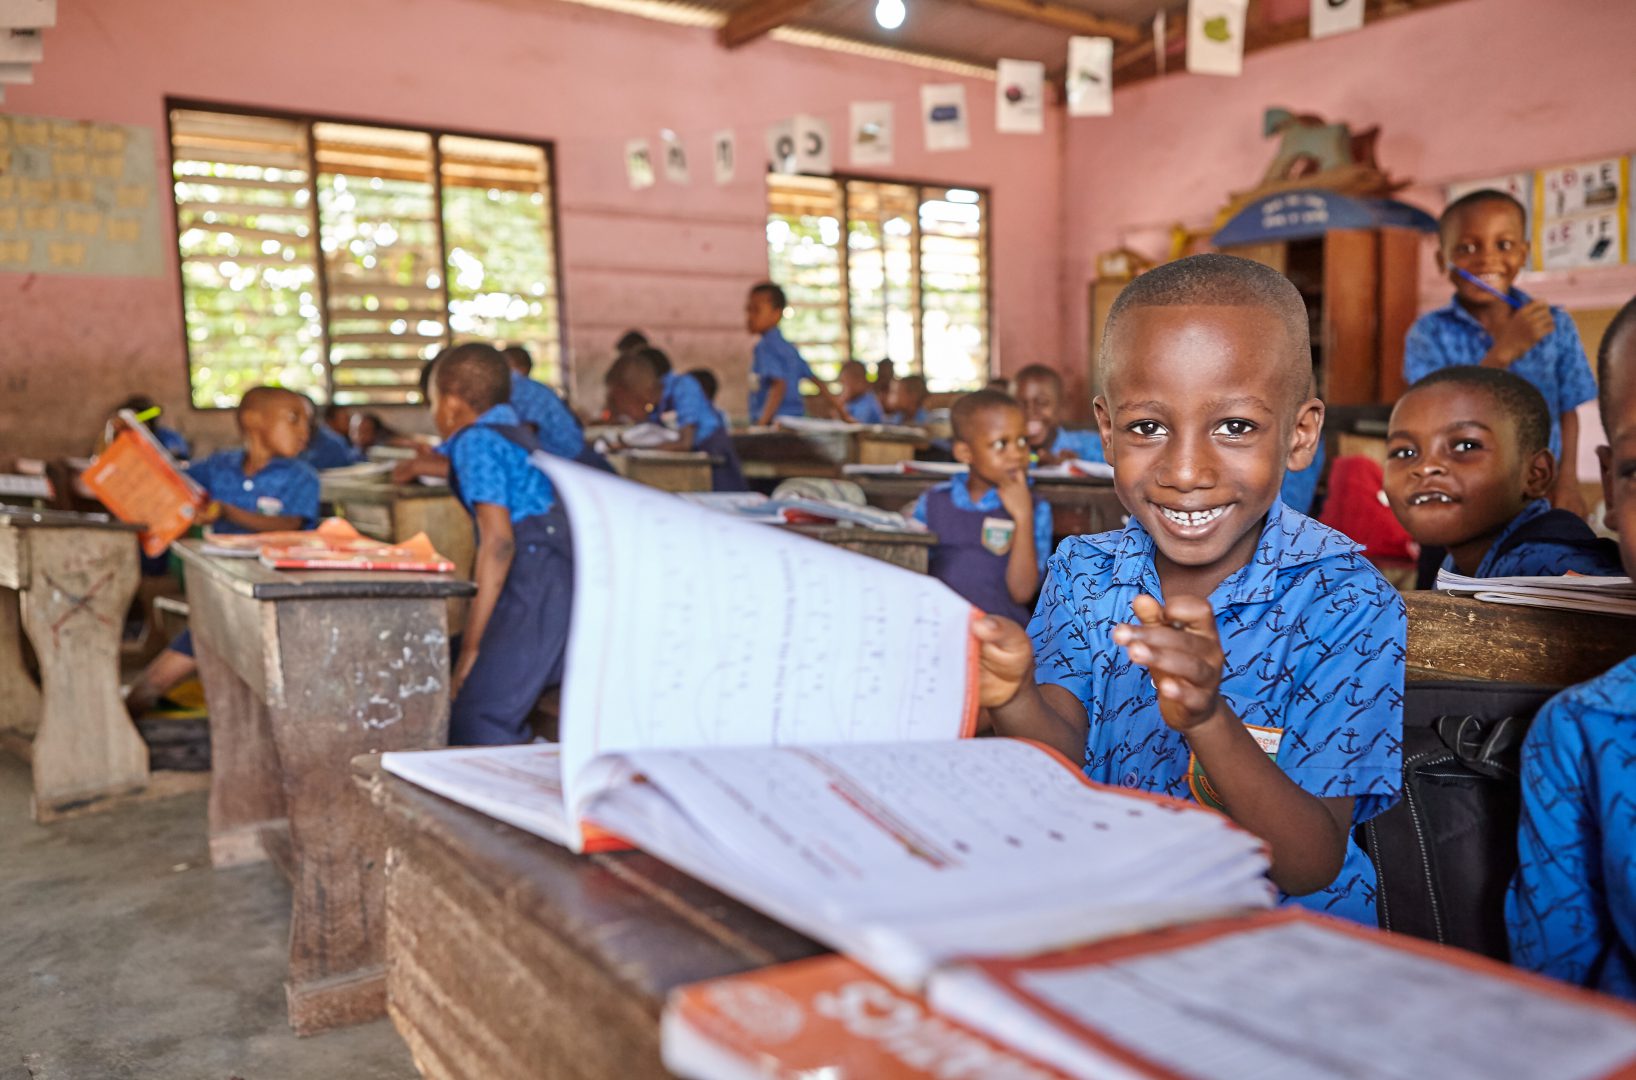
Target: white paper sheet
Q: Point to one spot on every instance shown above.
(871, 133)
(726, 156)
(1336, 17)
(519, 785)
(1215, 36)
(1019, 97)
(943, 115)
(1090, 76)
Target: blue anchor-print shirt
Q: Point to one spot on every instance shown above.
(1314, 644)
(1572, 907)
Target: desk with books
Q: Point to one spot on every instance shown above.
(301, 672)
(396, 512)
(781, 453)
(1454, 637)
(910, 550)
(1078, 506)
(666, 470)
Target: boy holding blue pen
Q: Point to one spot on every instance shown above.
(1482, 246)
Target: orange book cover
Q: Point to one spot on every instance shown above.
(827, 1017)
(334, 545)
(140, 484)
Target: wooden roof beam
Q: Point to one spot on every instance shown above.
(756, 18)
(1061, 17)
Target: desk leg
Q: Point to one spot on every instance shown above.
(246, 797)
(19, 694)
(360, 678)
(87, 749)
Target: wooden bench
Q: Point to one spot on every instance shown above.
(301, 672)
(1077, 506)
(1453, 637)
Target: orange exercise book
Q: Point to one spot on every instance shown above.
(334, 545)
(140, 483)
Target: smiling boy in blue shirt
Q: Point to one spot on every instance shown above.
(1571, 910)
(642, 384)
(1221, 647)
(1039, 392)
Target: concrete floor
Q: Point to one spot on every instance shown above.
(123, 955)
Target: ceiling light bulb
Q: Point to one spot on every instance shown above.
(890, 13)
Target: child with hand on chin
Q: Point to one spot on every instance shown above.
(1221, 647)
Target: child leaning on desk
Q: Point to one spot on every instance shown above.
(259, 487)
(642, 385)
(1571, 911)
(1222, 647)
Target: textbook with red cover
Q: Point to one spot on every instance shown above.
(139, 483)
(334, 545)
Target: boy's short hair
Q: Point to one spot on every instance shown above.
(475, 373)
(855, 366)
(707, 381)
(773, 293)
(263, 397)
(1516, 396)
(519, 358)
(885, 365)
(971, 405)
(638, 366)
(1623, 323)
(915, 383)
(1216, 280)
(1041, 373)
(1452, 212)
(631, 339)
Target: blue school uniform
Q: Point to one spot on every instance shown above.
(527, 635)
(554, 422)
(1314, 644)
(974, 541)
(776, 358)
(682, 402)
(1564, 545)
(1084, 445)
(1571, 911)
(1556, 365)
(327, 450)
(865, 409)
(1301, 487)
(174, 442)
(919, 419)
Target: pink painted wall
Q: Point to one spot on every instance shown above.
(673, 260)
(1464, 90)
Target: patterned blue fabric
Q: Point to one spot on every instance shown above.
(554, 422)
(1301, 487)
(1531, 559)
(1084, 445)
(174, 442)
(683, 396)
(988, 504)
(1314, 643)
(1572, 906)
(1451, 335)
(493, 469)
(328, 450)
(283, 486)
(776, 358)
(865, 409)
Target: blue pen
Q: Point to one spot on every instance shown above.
(1486, 287)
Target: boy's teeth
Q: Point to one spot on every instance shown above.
(1194, 517)
(1429, 496)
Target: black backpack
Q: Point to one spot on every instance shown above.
(1445, 854)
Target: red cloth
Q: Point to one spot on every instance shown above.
(1356, 506)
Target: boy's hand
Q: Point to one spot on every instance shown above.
(211, 512)
(1178, 644)
(1005, 659)
(462, 668)
(1014, 495)
(1527, 327)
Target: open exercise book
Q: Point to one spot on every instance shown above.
(1280, 995)
(1569, 592)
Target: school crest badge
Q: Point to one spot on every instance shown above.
(998, 534)
(1268, 738)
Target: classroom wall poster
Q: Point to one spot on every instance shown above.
(1581, 214)
(1090, 76)
(675, 157)
(639, 164)
(725, 155)
(1336, 17)
(943, 113)
(781, 146)
(1520, 186)
(1215, 36)
(78, 198)
(1019, 97)
(871, 141)
(813, 154)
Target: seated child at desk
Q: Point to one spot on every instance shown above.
(641, 384)
(517, 627)
(993, 532)
(777, 368)
(262, 487)
(885, 375)
(1221, 646)
(328, 448)
(1039, 392)
(149, 413)
(1571, 911)
(1482, 246)
(907, 404)
(1468, 469)
(860, 403)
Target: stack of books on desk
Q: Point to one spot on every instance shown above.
(1570, 592)
(334, 545)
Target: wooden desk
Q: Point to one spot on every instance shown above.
(1077, 506)
(301, 672)
(67, 580)
(910, 550)
(395, 512)
(509, 958)
(1453, 637)
(666, 471)
(779, 454)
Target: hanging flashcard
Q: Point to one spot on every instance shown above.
(1583, 240)
(813, 155)
(1582, 188)
(943, 112)
(1336, 17)
(1215, 36)
(725, 156)
(675, 157)
(1580, 214)
(1019, 97)
(1090, 76)
(781, 147)
(871, 133)
(1161, 35)
(639, 164)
